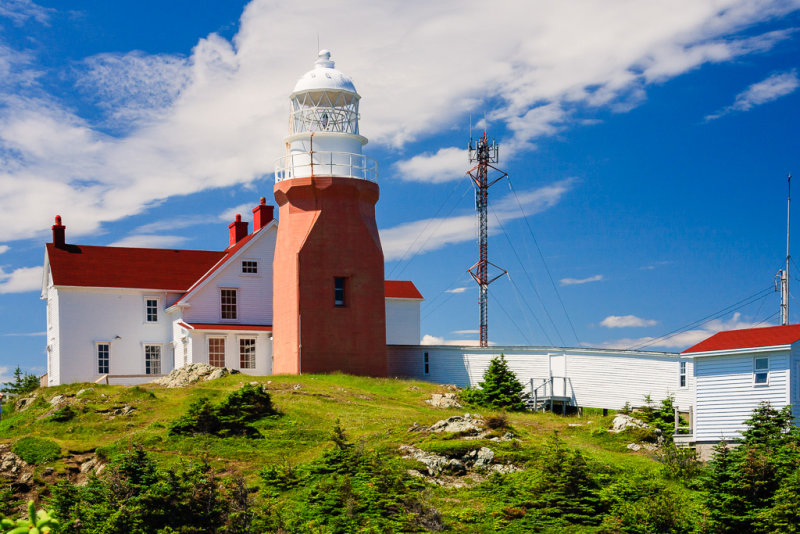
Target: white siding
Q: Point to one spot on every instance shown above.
(402, 321)
(254, 291)
(199, 351)
(86, 316)
(726, 395)
(599, 378)
(53, 339)
(794, 382)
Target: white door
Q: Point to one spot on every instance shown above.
(558, 371)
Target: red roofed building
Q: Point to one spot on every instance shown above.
(736, 370)
(137, 313)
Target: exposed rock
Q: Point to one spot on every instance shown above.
(448, 400)
(296, 387)
(574, 425)
(434, 462)
(24, 403)
(191, 373)
(11, 465)
(508, 436)
(88, 465)
(504, 469)
(416, 427)
(634, 447)
(83, 391)
(467, 424)
(652, 447)
(58, 399)
(125, 410)
(623, 422)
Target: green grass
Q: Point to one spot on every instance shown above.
(374, 412)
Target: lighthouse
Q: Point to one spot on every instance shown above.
(328, 285)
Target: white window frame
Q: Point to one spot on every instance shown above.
(149, 370)
(146, 301)
(97, 345)
(224, 340)
(760, 371)
(236, 303)
(683, 379)
(253, 260)
(240, 339)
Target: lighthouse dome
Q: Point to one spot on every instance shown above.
(324, 77)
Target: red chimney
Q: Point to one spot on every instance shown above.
(59, 236)
(238, 230)
(262, 215)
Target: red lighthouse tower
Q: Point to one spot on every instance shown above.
(329, 306)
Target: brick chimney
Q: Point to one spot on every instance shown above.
(262, 215)
(59, 234)
(237, 229)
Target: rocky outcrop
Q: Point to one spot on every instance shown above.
(447, 400)
(438, 467)
(623, 422)
(469, 423)
(189, 374)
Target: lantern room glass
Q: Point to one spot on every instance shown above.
(324, 111)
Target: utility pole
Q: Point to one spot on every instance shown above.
(483, 155)
(784, 274)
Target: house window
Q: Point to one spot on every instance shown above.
(683, 375)
(151, 310)
(338, 291)
(247, 353)
(103, 353)
(152, 359)
(216, 351)
(761, 371)
(426, 361)
(249, 267)
(227, 299)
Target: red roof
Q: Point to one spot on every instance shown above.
(749, 337)
(149, 268)
(401, 289)
(209, 326)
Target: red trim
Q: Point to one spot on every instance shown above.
(207, 326)
(401, 289)
(749, 337)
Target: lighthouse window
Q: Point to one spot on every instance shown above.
(338, 291)
(250, 267)
(683, 375)
(761, 371)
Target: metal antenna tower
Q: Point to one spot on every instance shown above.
(483, 155)
(784, 273)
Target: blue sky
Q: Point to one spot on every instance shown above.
(647, 145)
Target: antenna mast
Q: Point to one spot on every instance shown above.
(784, 274)
(482, 154)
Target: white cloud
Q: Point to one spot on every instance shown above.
(625, 321)
(171, 224)
(439, 232)
(20, 11)
(456, 290)
(772, 88)
(21, 280)
(446, 164)
(4, 249)
(149, 241)
(577, 281)
(6, 375)
(682, 340)
(463, 332)
(245, 210)
(428, 339)
(216, 118)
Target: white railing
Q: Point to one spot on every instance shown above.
(341, 164)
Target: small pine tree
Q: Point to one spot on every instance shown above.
(22, 383)
(500, 387)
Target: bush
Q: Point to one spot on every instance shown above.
(63, 414)
(36, 450)
(232, 417)
(500, 388)
(495, 421)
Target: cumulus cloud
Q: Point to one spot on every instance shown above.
(431, 234)
(149, 241)
(625, 321)
(245, 210)
(24, 334)
(4, 249)
(21, 280)
(578, 281)
(463, 332)
(176, 125)
(772, 88)
(445, 165)
(681, 340)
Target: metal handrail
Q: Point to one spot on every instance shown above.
(320, 163)
(551, 381)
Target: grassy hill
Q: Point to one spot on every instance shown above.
(571, 474)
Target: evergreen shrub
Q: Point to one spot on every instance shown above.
(36, 450)
(231, 417)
